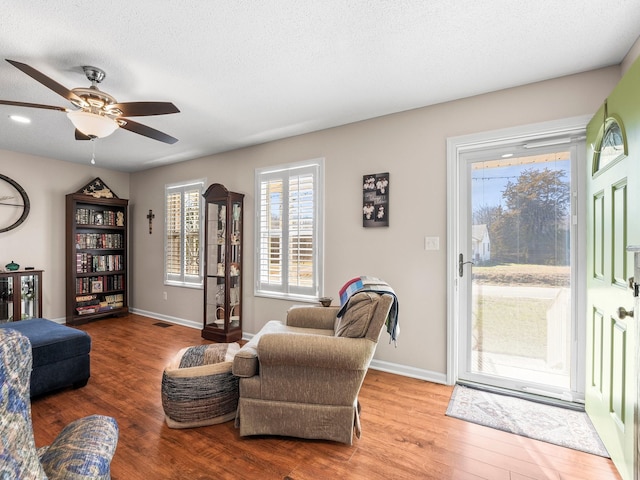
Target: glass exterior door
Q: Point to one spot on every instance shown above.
(518, 332)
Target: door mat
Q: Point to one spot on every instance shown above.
(551, 424)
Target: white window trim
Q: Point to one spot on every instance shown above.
(279, 293)
(182, 186)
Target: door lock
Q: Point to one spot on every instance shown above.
(623, 313)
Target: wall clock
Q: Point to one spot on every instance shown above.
(14, 204)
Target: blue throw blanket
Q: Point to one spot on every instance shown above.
(372, 284)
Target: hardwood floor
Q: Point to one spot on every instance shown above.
(405, 433)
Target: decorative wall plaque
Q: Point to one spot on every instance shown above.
(375, 200)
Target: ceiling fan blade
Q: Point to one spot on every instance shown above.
(142, 109)
(81, 136)
(32, 105)
(140, 129)
(46, 81)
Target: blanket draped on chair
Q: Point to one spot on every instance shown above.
(366, 283)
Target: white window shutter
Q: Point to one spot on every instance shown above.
(289, 231)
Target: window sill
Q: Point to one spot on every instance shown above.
(288, 297)
(197, 286)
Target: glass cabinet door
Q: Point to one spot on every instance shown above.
(29, 300)
(6, 299)
(235, 270)
(216, 226)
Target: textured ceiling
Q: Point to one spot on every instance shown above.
(247, 72)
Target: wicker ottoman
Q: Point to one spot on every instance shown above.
(198, 387)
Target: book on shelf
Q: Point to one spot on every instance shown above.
(86, 262)
(88, 309)
(89, 216)
(99, 240)
(103, 283)
(114, 301)
(85, 298)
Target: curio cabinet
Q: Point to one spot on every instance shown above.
(223, 265)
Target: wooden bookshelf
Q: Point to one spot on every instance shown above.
(96, 257)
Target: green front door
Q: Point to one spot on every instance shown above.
(612, 212)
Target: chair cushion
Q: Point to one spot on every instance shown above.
(354, 323)
(202, 360)
(82, 450)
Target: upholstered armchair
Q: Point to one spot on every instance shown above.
(84, 448)
(302, 378)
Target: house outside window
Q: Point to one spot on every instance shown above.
(289, 231)
(184, 234)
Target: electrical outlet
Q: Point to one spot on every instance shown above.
(432, 243)
(164, 295)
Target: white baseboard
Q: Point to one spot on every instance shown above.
(397, 369)
(407, 371)
(168, 318)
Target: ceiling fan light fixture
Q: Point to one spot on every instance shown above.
(97, 113)
(91, 124)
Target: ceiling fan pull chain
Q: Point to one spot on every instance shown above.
(93, 154)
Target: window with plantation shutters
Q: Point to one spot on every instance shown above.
(289, 230)
(183, 234)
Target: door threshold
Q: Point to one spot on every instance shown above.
(542, 396)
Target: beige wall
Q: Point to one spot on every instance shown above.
(411, 146)
(39, 241)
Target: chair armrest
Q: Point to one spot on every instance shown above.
(317, 351)
(83, 449)
(312, 317)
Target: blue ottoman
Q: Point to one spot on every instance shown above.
(60, 354)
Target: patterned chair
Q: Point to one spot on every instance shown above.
(82, 450)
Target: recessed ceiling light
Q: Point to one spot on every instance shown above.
(20, 119)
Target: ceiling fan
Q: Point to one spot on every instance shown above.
(98, 114)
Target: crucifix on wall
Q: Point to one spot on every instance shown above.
(151, 216)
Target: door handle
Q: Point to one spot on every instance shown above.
(623, 313)
(461, 264)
